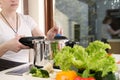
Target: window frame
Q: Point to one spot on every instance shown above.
(25, 7)
(48, 15)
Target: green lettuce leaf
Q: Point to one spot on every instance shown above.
(94, 58)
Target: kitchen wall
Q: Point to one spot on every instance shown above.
(62, 21)
(36, 10)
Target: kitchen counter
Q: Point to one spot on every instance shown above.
(16, 74)
(11, 76)
(113, 40)
(115, 46)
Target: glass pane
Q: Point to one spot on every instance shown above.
(89, 14)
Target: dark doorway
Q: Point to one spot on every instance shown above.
(77, 32)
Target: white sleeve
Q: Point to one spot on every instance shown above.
(108, 27)
(30, 22)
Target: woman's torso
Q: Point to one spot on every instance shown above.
(6, 33)
(105, 31)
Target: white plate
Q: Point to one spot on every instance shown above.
(28, 76)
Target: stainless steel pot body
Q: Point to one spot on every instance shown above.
(39, 51)
(52, 47)
(46, 49)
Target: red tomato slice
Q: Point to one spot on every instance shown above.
(91, 78)
(84, 79)
(78, 78)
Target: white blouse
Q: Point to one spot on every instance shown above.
(6, 33)
(105, 31)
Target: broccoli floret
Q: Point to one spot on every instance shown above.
(37, 72)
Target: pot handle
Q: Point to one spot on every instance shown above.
(27, 41)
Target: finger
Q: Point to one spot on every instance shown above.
(56, 30)
(61, 31)
(18, 49)
(24, 47)
(51, 36)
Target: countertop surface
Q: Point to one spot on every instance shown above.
(11, 77)
(16, 73)
(4, 76)
(113, 40)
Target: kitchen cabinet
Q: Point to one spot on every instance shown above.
(115, 46)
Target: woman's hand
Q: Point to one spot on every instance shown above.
(53, 31)
(14, 45)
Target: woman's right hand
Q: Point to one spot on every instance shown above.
(53, 31)
(14, 45)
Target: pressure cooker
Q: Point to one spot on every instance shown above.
(44, 49)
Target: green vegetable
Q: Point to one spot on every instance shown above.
(64, 60)
(93, 58)
(110, 76)
(45, 74)
(54, 47)
(37, 72)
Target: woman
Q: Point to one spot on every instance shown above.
(107, 31)
(13, 26)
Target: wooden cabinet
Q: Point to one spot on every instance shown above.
(115, 46)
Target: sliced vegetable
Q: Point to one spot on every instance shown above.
(91, 78)
(80, 78)
(66, 75)
(77, 78)
(37, 72)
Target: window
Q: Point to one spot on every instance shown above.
(48, 4)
